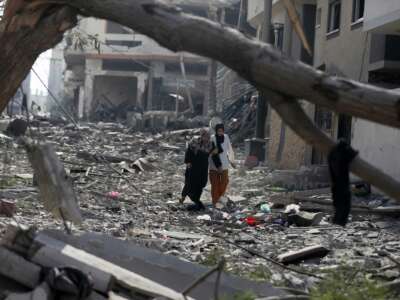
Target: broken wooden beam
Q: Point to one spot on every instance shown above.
(291, 257)
(56, 190)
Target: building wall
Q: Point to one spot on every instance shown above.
(379, 145)
(292, 148)
(97, 27)
(286, 150)
(344, 53)
(347, 54)
(382, 16)
(56, 71)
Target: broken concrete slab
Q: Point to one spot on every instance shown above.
(164, 269)
(305, 219)
(291, 257)
(56, 190)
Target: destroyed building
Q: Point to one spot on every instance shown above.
(112, 71)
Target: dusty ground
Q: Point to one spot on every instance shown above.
(147, 210)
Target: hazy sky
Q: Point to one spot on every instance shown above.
(41, 66)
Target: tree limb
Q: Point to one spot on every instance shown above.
(20, 49)
(259, 63)
(293, 114)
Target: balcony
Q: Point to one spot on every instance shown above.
(385, 53)
(382, 17)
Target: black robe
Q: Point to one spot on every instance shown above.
(196, 176)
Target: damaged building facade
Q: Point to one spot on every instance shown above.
(285, 149)
(356, 39)
(113, 73)
(112, 70)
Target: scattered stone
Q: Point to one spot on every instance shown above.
(305, 219)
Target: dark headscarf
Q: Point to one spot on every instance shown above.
(201, 143)
(219, 138)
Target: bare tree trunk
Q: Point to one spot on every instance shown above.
(259, 63)
(20, 49)
(293, 114)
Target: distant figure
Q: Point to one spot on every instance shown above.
(196, 160)
(17, 128)
(24, 106)
(219, 176)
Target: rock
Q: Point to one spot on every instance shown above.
(314, 231)
(204, 218)
(391, 274)
(292, 236)
(4, 124)
(7, 208)
(17, 128)
(294, 281)
(302, 254)
(305, 219)
(373, 235)
(237, 198)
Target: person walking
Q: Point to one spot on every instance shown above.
(222, 150)
(196, 160)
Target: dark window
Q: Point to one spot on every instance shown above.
(308, 19)
(115, 28)
(334, 15)
(344, 128)
(358, 10)
(323, 118)
(124, 65)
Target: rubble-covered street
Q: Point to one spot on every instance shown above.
(129, 183)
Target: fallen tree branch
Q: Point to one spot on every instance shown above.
(293, 114)
(259, 63)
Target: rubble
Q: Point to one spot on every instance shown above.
(303, 254)
(142, 209)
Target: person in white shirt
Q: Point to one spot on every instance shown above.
(219, 176)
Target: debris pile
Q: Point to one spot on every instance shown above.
(240, 116)
(128, 188)
(50, 264)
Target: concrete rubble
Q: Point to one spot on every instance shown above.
(128, 185)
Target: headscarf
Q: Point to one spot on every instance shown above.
(219, 138)
(201, 142)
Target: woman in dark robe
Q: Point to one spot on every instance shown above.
(196, 174)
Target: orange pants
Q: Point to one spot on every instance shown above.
(219, 183)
